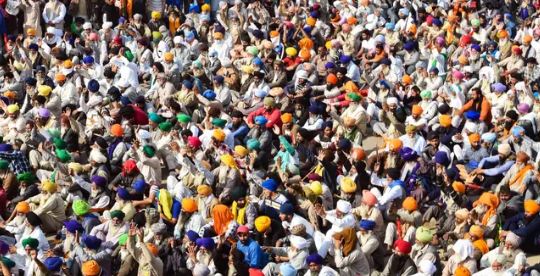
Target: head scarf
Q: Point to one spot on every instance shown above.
(348, 235)
(222, 215)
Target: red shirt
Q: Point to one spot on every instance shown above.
(273, 117)
(139, 117)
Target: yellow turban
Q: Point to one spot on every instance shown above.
(348, 185)
(476, 231)
(155, 15)
(165, 202)
(481, 245)
(204, 190)
(531, 206)
(76, 167)
(316, 187)
(68, 64)
(219, 135)
(241, 151)
(262, 223)
(44, 90)
(205, 8)
(228, 160)
(311, 21)
(90, 268)
(290, 51)
(12, 108)
(48, 186)
(475, 137)
(445, 120)
(31, 31)
(168, 56)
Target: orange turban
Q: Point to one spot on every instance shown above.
(491, 201)
(117, 130)
(395, 145)
(222, 215)
(527, 39)
(459, 187)
(477, 231)
(189, 205)
(22, 207)
(90, 268)
(331, 79)
(60, 77)
(474, 138)
(286, 118)
(531, 206)
(406, 79)
(462, 271)
(410, 204)
(417, 110)
(305, 54)
(311, 21)
(305, 43)
(352, 20)
(502, 34)
(445, 120)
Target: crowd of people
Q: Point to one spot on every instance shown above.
(264, 137)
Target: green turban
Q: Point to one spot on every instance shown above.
(7, 262)
(354, 97)
(54, 132)
(25, 177)
(156, 36)
(33, 243)
(253, 50)
(286, 144)
(423, 234)
(219, 122)
(149, 151)
(118, 214)
(80, 207)
(269, 101)
(154, 117)
(253, 144)
(129, 55)
(63, 155)
(59, 143)
(183, 118)
(4, 164)
(165, 126)
(426, 94)
(122, 240)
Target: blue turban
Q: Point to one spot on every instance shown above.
(219, 79)
(307, 29)
(472, 115)
(99, 180)
(4, 248)
(88, 59)
(345, 59)
(257, 61)
(314, 109)
(73, 226)
(442, 158)
(518, 131)
(257, 33)
(286, 269)
(409, 45)
(314, 259)
(434, 70)
(207, 243)
(187, 84)
(91, 242)
(329, 65)
(123, 193)
(53, 263)
(476, 47)
(190, 35)
(209, 94)
(125, 101)
(270, 184)
(286, 208)
(498, 87)
(489, 137)
(437, 22)
(93, 85)
(390, 26)
(194, 8)
(192, 235)
(344, 144)
(385, 84)
(326, 124)
(139, 185)
(260, 120)
(33, 46)
(31, 81)
(314, 14)
(452, 173)
(404, 11)
(407, 154)
(367, 224)
(6, 148)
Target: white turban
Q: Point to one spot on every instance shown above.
(343, 206)
(298, 242)
(97, 156)
(504, 149)
(391, 100)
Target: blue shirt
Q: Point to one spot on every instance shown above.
(498, 169)
(253, 254)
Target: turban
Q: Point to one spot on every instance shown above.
(291, 52)
(159, 228)
(183, 118)
(154, 117)
(518, 131)
(93, 85)
(423, 234)
(90, 268)
(410, 204)
(347, 185)
(269, 101)
(441, 158)
(207, 243)
(474, 138)
(7, 262)
(286, 269)
(252, 50)
(445, 120)
(33, 219)
(165, 126)
(60, 77)
(204, 190)
(531, 207)
(219, 122)
(504, 149)
(4, 164)
(314, 259)
(286, 118)
(117, 130)
(155, 15)
(253, 144)
(489, 137)
(395, 145)
(63, 155)
(403, 246)
(262, 223)
(80, 207)
(298, 242)
(408, 154)
(122, 240)
(354, 97)
(27, 177)
(369, 198)
(512, 239)
(228, 160)
(209, 95)
(331, 79)
(462, 271)
(44, 113)
(99, 180)
(270, 184)
(118, 214)
(498, 87)
(343, 206)
(31, 242)
(189, 205)
(219, 135)
(367, 224)
(476, 231)
(12, 108)
(406, 79)
(241, 150)
(286, 208)
(53, 263)
(22, 207)
(88, 59)
(242, 229)
(76, 167)
(139, 185)
(316, 188)
(48, 186)
(462, 214)
(192, 235)
(472, 115)
(91, 242)
(459, 187)
(523, 108)
(417, 110)
(73, 226)
(149, 151)
(194, 142)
